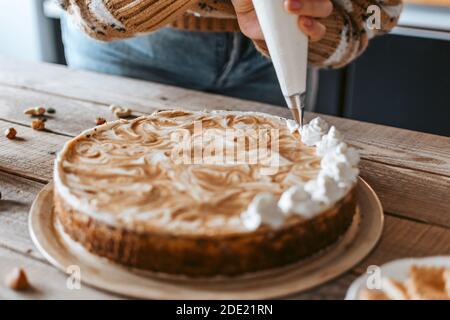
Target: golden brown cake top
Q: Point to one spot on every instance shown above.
(182, 172)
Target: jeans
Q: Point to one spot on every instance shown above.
(218, 62)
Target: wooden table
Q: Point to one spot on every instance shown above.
(409, 170)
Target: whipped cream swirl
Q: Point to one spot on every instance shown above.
(312, 132)
(338, 174)
(329, 141)
(296, 200)
(263, 210)
(340, 164)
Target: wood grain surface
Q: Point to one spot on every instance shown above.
(410, 171)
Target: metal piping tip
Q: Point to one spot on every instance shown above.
(296, 103)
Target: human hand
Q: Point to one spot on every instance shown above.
(307, 11)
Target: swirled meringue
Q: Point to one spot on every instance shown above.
(313, 131)
(262, 210)
(324, 189)
(343, 153)
(337, 175)
(329, 141)
(296, 200)
(347, 154)
(341, 171)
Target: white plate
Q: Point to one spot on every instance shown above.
(398, 270)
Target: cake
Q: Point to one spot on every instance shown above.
(204, 194)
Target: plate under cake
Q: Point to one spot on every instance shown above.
(156, 193)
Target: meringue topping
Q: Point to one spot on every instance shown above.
(338, 173)
(263, 210)
(324, 189)
(337, 164)
(313, 131)
(329, 141)
(126, 173)
(296, 200)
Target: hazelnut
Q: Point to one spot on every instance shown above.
(120, 112)
(10, 133)
(114, 107)
(99, 121)
(123, 113)
(17, 280)
(37, 111)
(38, 124)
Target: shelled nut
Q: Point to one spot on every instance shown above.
(99, 121)
(17, 280)
(120, 112)
(36, 111)
(38, 124)
(10, 133)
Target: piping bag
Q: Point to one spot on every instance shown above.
(288, 49)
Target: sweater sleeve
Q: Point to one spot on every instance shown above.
(117, 19)
(349, 28)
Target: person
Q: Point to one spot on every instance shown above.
(212, 45)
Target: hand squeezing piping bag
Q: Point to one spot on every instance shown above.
(288, 49)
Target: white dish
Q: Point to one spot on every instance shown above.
(398, 270)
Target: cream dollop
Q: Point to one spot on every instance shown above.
(262, 210)
(296, 200)
(342, 172)
(313, 131)
(347, 154)
(337, 175)
(340, 164)
(324, 189)
(329, 141)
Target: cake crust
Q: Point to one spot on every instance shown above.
(206, 256)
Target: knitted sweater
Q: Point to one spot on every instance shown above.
(347, 36)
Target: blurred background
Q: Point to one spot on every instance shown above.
(402, 80)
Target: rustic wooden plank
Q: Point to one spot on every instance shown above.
(409, 170)
(47, 282)
(417, 195)
(107, 89)
(399, 147)
(17, 249)
(418, 163)
(393, 146)
(407, 239)
(31, 154)
(401, 238)
(17, 196)
(71, 116)
(332, 290)
(414, 194)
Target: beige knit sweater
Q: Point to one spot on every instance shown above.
(347, 36)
